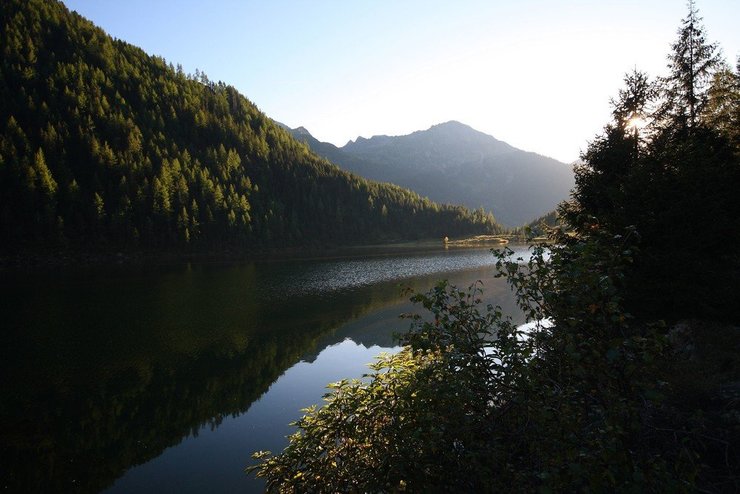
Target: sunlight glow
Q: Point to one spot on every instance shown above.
(636, 122)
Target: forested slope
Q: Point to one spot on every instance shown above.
(103, 146)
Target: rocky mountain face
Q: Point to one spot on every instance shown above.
(454, 163)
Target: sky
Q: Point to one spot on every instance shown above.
(537, 74)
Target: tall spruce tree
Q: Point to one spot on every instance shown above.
(692, 63)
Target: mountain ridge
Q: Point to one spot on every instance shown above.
(451, 162)
(449, 127)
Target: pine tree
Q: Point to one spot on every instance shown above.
(692, 63)
(723, 104)
(46, 181)
(612, 157)
(631, 103)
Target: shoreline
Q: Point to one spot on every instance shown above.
(79, 258)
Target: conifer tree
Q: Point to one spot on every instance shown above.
(46, 181)
(691, 63)
(723, 103)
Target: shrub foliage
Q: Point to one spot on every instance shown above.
(476, 404)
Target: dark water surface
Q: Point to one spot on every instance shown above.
(167, 378)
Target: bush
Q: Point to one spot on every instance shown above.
(473, 404)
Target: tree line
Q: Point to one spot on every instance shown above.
(668, 165)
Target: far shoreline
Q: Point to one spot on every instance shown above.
(79, 258)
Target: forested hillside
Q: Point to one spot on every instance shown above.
(540, 226)
(103, 146)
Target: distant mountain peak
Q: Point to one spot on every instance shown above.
(303, 131)
(455, 163)
(451, 124)
(450, 134)
(457, 129)
(444, 126)
(451, 162)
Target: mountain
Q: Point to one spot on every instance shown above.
(104, 146)
(454, 163)
(346, 161)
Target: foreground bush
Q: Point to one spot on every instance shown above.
(473, 404)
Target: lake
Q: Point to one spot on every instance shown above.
(166, 378)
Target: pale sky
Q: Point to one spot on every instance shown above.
(537, 74)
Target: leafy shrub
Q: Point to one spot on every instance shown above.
(474, 404)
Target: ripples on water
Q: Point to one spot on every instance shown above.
(348, 274)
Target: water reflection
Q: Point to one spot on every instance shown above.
(103, 370)
(214, 460)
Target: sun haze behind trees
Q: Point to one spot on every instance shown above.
(675, 180)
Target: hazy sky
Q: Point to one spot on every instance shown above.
(536, 74)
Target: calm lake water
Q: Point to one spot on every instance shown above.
(167, 378)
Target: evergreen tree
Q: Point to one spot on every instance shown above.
(692, 63)
(612, 157)
(722, 111)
